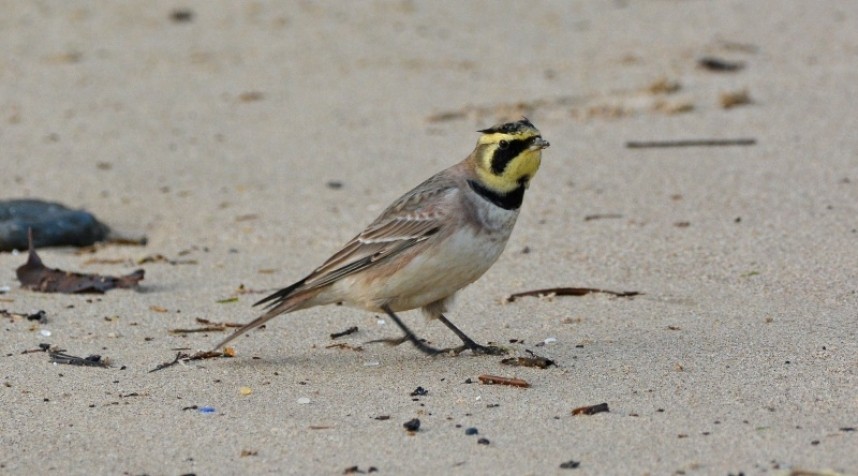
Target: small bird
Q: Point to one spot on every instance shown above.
(428, 244)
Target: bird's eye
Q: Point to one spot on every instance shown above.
(502, 145)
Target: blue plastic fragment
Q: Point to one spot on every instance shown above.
(206, 410)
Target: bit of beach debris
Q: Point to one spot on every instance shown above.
(602, 216)
(690, 143)
(43, 347)
(532, 361)
(40, 316)
(591, 409)
(661, 96)
(208, 326)
(496, 380)
(419, 392)
(550, 292)
(182, 15)
(34, 275)
(350, 330)
(412, 425)
(59, 357)
(159, 258)
(718, 65)
(54, 224)
(344, 346)
(732, 99)
(357, 470)
(182, 357)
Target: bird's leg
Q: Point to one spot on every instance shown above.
(409, 335)
(468, 343)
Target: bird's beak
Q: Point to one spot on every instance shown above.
(539, 143)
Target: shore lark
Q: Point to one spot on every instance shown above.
(430, 243)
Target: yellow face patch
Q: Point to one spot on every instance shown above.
(509, 155)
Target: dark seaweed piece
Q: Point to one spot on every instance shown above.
(532, 361)
(53, 223)
(412, 425)
(591, 409)
(34, 275)
(88, 361)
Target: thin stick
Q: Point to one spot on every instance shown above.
(689, 143)
(496, 380)
(569, 292)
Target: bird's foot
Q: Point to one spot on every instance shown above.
(419, 344)
(478, 349)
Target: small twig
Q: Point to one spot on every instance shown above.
(209, 326)
(720, 65)
(183, 357)
(42, 348)
(350, 330)
(689, 143)
(602, 216)
(568, 292)
(179, 356)
(494, 379)
(223, 324)
(344, 345)
(198, 329)
(89, 361)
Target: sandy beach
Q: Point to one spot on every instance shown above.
(249, 140)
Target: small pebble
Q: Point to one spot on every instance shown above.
(472, 431)
(245, 391)
(45, 332)
(550, 340)
(412, 425)
(182, 16)
(303, 401)
(483, 441)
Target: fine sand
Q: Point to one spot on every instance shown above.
(249, 140)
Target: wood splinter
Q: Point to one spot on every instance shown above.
(496, 380)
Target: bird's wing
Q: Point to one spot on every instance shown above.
(412, 219)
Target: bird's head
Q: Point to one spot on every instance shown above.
(508, 155)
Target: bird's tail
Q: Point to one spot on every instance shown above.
(285, 304)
